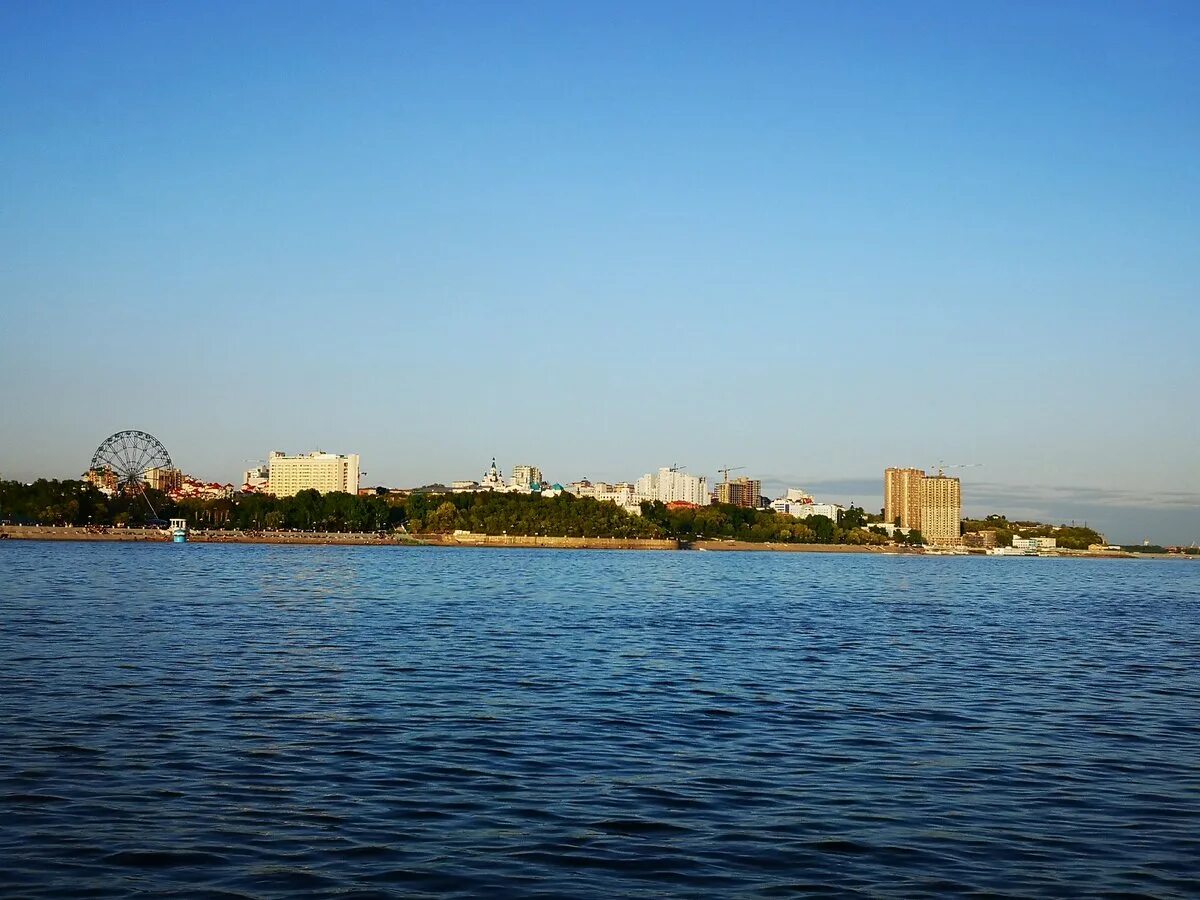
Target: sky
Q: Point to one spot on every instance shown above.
(810, 239)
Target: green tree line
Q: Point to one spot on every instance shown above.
(79, 503)
(723, 521)
(53, 502)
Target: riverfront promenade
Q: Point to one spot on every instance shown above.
(467, 539)
(394, 539)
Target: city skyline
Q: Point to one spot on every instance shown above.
(600, 449)
(433, 234)
(1125, 516)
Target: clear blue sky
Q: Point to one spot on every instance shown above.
(811, 239)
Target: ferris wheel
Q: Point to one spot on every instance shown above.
(127, 456)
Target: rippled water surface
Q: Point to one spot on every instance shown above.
(354, 722)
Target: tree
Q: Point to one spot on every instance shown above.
(865, 537)
(823, 529)
(444, 518)
(854, 517)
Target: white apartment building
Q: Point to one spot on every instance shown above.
(257, 480)
(670, 485)
(526, 478)
(622, 493)
(318, 471)
(1034, 544)
(802, 510)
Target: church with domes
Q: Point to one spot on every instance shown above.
(493, 480)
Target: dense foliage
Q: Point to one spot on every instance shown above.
(47, 502)
(78, 503)
(913, 538)
(722, 521)
(307, 511)
(524, 514)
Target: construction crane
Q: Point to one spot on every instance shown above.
(725, 471)
(943, 465)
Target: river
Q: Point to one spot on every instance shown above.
(273, 721)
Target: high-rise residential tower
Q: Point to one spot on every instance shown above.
(163, 479)
(671, 485)
(526, 478)
(740, 492)
(941, 510)
(902, 497)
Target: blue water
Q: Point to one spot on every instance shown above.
(232, 721)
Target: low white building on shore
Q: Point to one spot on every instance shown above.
(889, 528)
(803, 510)
(1033, 545)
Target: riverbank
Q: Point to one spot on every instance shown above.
(154, 535)
(470, 539)
(467, 539)
(456, 539)
(749, 546)
(375, 539)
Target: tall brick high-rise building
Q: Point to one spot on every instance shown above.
(902, 497)
(941, 510)
(740, 492)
